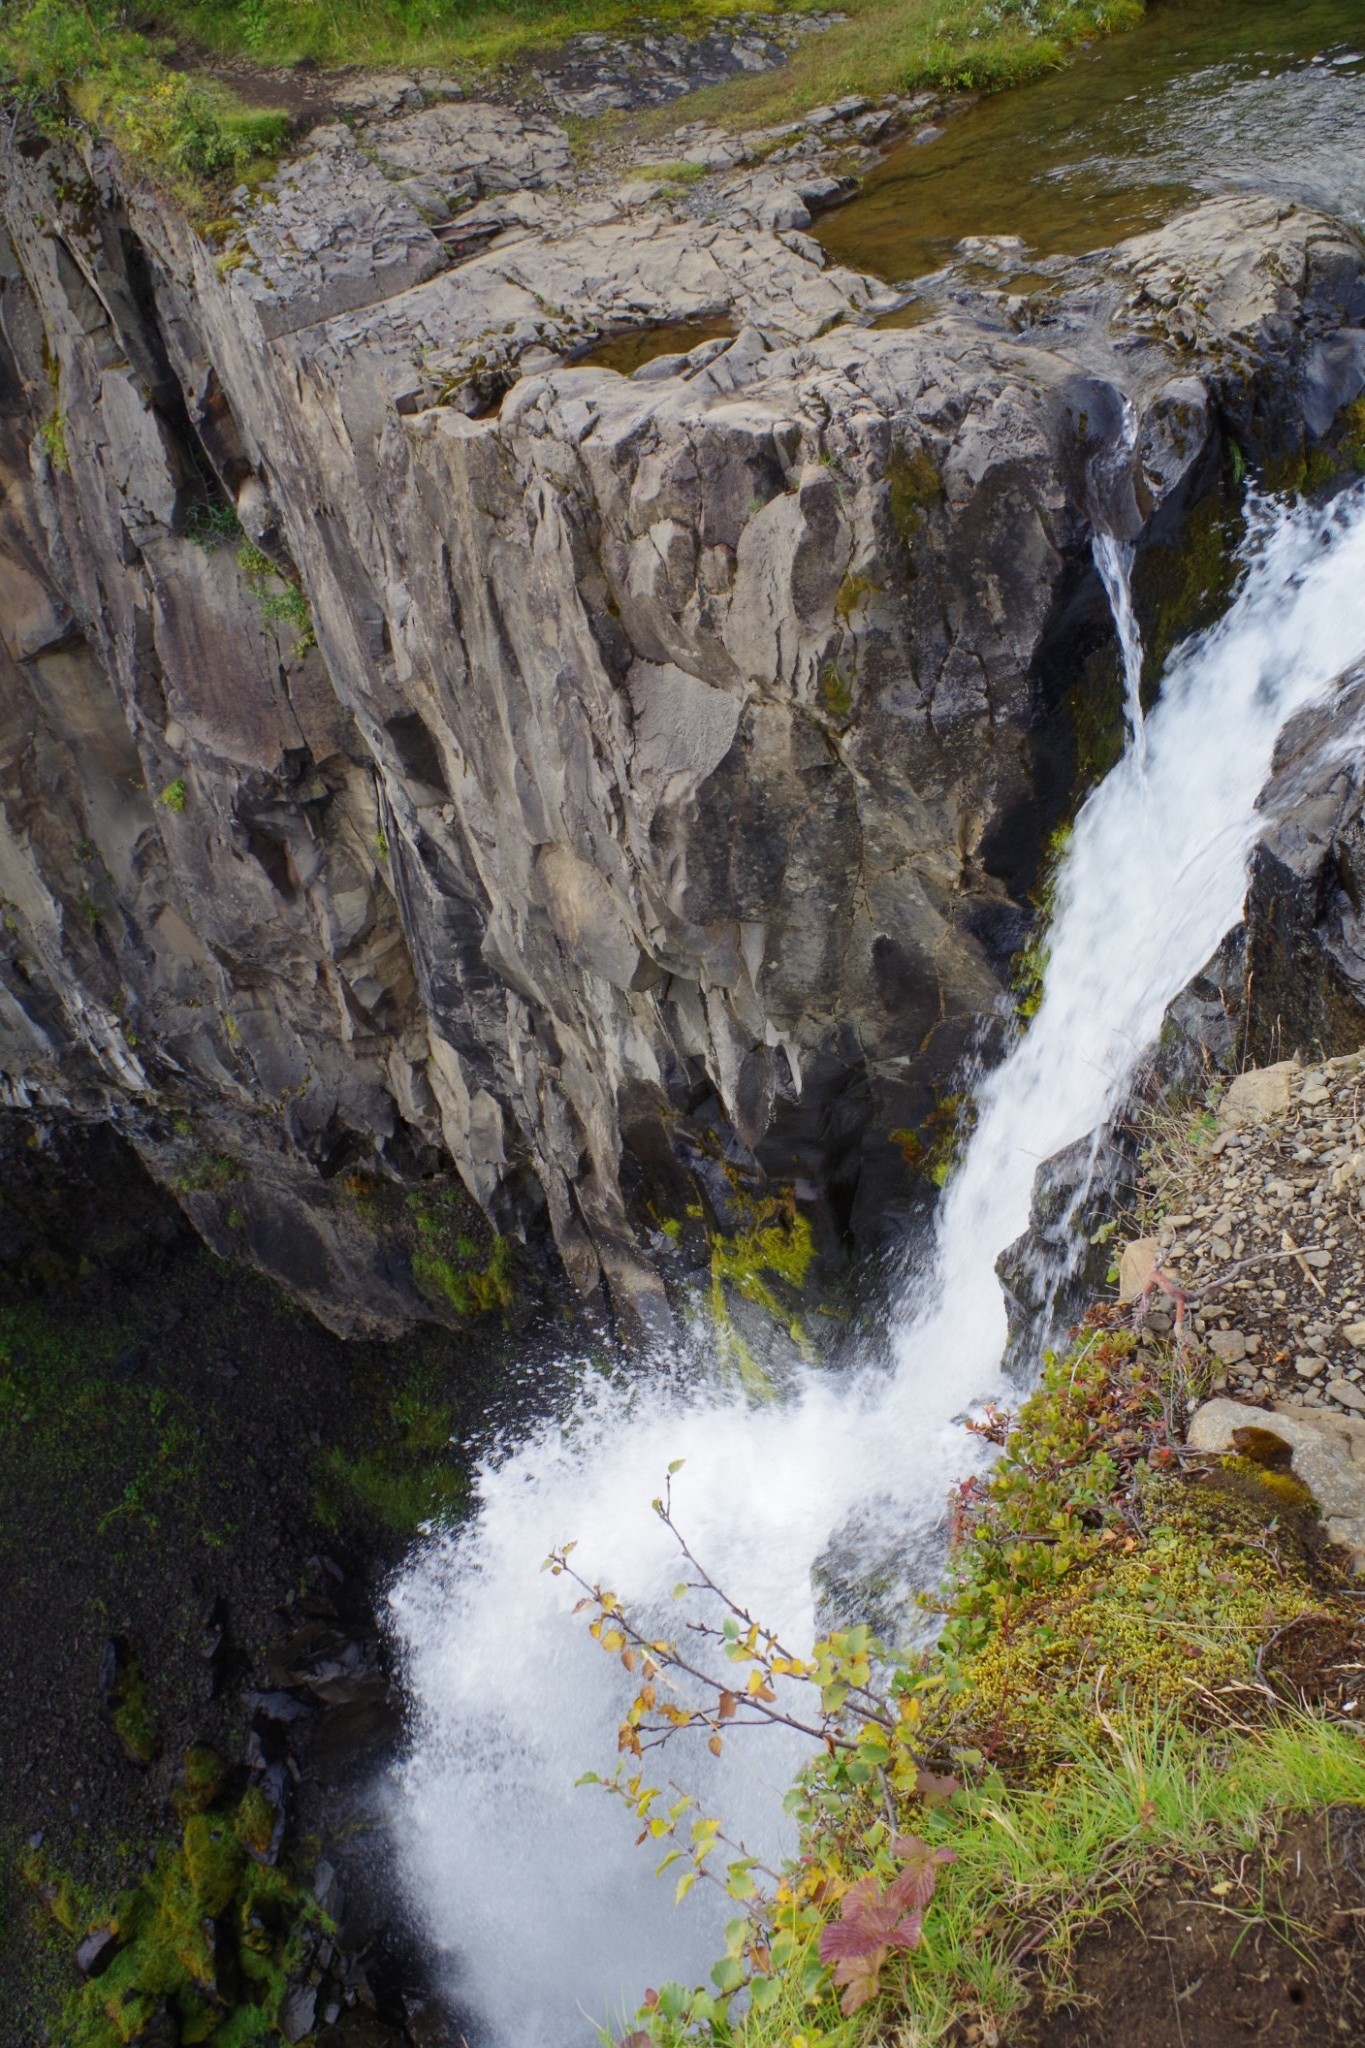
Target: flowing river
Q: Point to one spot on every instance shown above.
(547, 1918)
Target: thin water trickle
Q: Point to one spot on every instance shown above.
(545, 1915)
(1114, 561)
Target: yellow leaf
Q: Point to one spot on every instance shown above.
(685, 1884)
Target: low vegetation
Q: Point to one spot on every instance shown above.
(1121, 1686)
(79, 58)
(82, 59)
(281, 602)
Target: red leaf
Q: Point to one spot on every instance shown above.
(913, 1884)
(874, 1919)
(861, 1978)
(935, 1790)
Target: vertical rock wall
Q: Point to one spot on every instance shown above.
(625, 797)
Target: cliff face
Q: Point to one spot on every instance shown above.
(652, 811)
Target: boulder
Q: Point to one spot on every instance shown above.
(1259, 1095)
(1327, 1453)
(1137, 1262)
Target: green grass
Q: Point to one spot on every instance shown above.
(77, 57)
(478, 34)
(1038, 1867)
(80, 57)
(888, 46)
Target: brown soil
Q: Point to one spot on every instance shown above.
(1277, 1957)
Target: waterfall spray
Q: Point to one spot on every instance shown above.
(545, 1916)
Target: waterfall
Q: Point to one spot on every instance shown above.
(1111, 494)
(1114, 560)
(547, 1917)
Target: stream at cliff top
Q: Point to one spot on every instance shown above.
(1204, 96)
(545, 1916)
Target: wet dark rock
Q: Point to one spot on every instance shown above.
(327, 1890)
(1305, 915)
(162, 2030)
(1202, 1031)
(279, 1709)
(299, 2012)
(335, 1668)
(1060, 1262)
(358, 2029)
(215, 1649)
(427, 2025)
(223, 1983)
(275, 1780)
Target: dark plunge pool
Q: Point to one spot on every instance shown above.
(1206, 96)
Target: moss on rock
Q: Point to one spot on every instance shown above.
(209, 1937)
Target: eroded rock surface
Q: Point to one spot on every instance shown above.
(661, 787)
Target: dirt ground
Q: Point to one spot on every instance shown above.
(1270, 1952)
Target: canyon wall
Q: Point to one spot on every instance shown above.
(418, 750)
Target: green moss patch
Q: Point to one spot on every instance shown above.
(913, 486)
(765, 1264)
(210, 1934)
(1186, 587)
(467, 1288)
(1319, 465)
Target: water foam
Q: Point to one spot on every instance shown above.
(548, 1919)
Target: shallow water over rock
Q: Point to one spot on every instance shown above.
(1203, 98)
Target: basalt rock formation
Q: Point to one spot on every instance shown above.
(1304, 989)
(416, 748)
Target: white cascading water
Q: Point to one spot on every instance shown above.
(547, 1917)
(1114, 560)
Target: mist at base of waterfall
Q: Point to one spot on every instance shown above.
(547, 1918)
